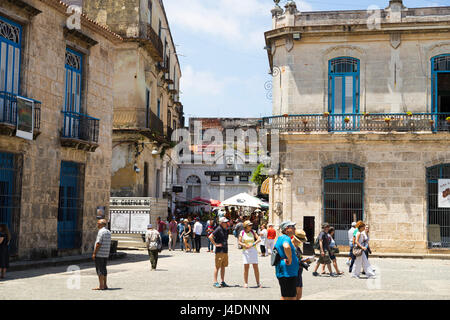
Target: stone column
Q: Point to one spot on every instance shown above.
(287, 194)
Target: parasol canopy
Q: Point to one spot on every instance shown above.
(211, 202)
(244, 200)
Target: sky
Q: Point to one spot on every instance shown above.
(220, 46)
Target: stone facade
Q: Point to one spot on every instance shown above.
(395, 77)
(42, 70)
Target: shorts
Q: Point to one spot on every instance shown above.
(288, 287)
(332, 257)
(300, 278)
(100, 266)
(325, 259)
(221, 260)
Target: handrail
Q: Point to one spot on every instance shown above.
(80, 114)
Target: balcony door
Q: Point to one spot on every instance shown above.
(72, 101)
(343, 91)
(10, 44)
(440, 91)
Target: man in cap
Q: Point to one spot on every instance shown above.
(152, 239)
(325, 251)
(351, 257)
(101, 253)
(287, 268)
(198, 230)
(219, 239)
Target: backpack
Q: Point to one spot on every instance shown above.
(275, 258)
(316, 244)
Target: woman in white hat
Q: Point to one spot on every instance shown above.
(248, 239)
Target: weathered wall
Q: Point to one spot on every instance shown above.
(395, 197)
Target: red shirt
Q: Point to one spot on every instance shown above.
(161, 226)
(271, 234)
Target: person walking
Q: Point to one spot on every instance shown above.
(173, 234)
(209, 230)
(361, 258)
(186, 234)
(198, 230)
(325, 251)
(238, 227)
(333, 251)
(263, 236)
(180, 231)
(271, 235)
(297, 240)
(191, 235)
(5, 238)
(101, 253)
(153, 240)
(248, 239)
(351, 257)
(366, 241)
(219, 239)
(287, 268)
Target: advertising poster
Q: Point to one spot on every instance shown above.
(444, 193)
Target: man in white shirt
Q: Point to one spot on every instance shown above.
(198, 230)
(351, 231)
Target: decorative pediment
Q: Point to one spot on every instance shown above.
(26, 7)
(80, 36)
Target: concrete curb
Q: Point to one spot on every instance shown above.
(403, 256)
(55, 262)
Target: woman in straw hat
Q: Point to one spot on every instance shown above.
(248, 239)
(297, 240)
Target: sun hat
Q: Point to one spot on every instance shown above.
(287, 224)
(247, 223)
(300, 235)
(185, 220)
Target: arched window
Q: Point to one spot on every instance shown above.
(343, 198)
(343, 85)
(440, 86)
(194, 187)
(438, 194)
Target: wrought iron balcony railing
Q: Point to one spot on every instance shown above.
(8, 111)
(81, 127)
(377, 122)
(156, 124)
(156, 47)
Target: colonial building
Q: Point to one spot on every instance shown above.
(362, 102)
(230, 173)
(57, 80)
(147, 108)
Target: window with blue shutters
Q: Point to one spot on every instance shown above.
(73, 78)
(10, 47)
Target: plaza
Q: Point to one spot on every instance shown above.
(189, 276)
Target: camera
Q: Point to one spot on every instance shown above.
(304, 265)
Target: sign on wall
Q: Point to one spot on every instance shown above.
(444, 193)
(25, 118)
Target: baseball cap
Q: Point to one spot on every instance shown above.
(353, 224)
(287, 224)
(149, 226)
(223, 219)
(247, 223)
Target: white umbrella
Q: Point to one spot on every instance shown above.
(243, 200)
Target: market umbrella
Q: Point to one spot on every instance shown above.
(243, 200)
(265, 186)
(211, 202)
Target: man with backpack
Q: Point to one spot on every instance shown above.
(154, 243)
(322, 244)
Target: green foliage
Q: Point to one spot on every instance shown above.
(258, 176)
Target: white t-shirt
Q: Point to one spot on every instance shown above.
(198, 228)
(263, 235)
(350, 235)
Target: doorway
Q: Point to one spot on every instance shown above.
(308, 227)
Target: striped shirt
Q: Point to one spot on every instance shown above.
(104, 239)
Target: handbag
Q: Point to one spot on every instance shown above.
(275, 258)
(335, 250)
(357, 251)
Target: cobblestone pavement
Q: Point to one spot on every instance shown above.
(188, 276)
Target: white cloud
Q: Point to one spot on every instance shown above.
(202, 82)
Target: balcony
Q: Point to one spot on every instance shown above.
(152, 40)
(156, 124)
(379, 122)
(8, 115)
(80, 131)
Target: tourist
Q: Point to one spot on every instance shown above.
(358, 251)
(173, 234)
(239, 226)
(197, 231)
(248, 239)
(263, 236)
(325, 251)
(351, 257)
(366, 241)
(153, 241)
(180, 231)
(271, 235)
(209, 230)
(333, 252)
(297, 240)
(5, 238)
(101, 253)
(191, 235)
(186, 234)
(219, 239)
(287, 268)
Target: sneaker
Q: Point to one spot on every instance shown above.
(315, 274)
(216, 285)
(223, 284)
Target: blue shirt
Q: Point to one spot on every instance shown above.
(283, 270)
(180, 228)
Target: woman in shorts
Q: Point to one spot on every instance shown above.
(248, 239)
